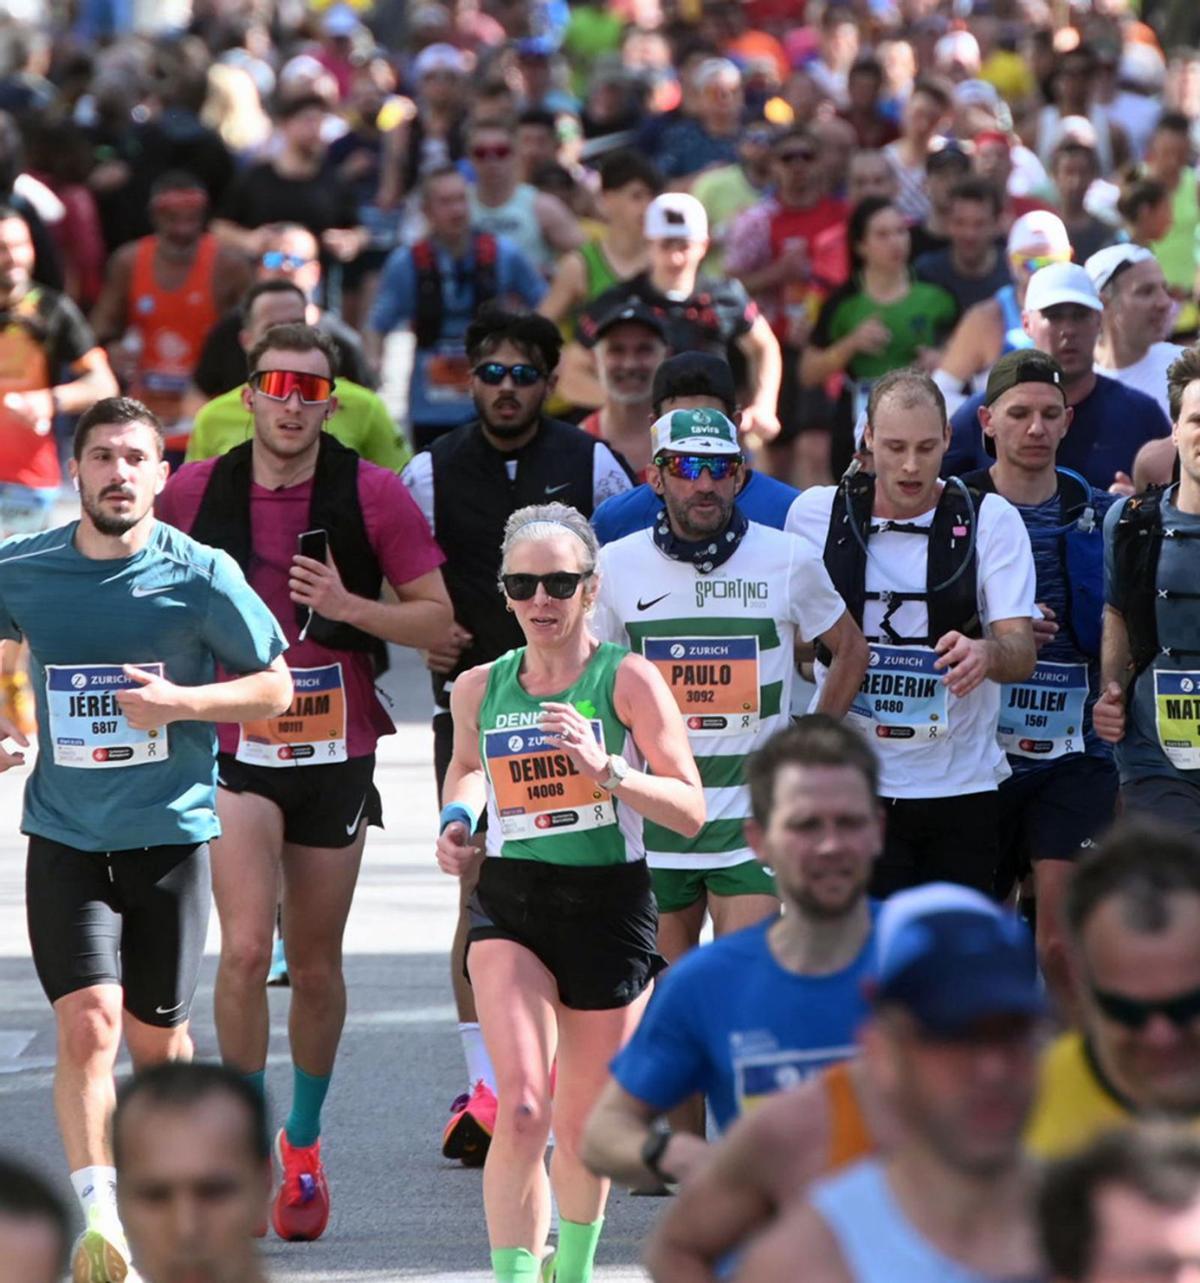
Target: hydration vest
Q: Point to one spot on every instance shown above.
(951, 568)
(1080, 541)
(431, 304)
(224, 521)
(1137, 545)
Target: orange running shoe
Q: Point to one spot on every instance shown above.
(301, 1208)
(469, 1131)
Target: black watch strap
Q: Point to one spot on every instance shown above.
(653, 1148)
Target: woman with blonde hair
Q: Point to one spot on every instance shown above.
(234, 109)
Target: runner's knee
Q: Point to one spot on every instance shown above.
(248, 957)
(525, 1115)
(89, 1026)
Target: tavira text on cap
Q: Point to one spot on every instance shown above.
(695, 432)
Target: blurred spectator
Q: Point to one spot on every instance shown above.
(864, 89)
(537, 141)
(1141, 79)
(956, 56)
(726, 190)
(540, 226)
(1074, 169)
(435, 288)
(944, 170)
(15, 192)
(869, 175)
(296, 185)
(1074, 94)
(538, 68)
(1145, 208)
(924, 116)
(434, 134)
(1169, 161)
(972, 268)
(234, 109)
(710, 137)
(612, 104)
(837, 49)
(341, 30)
(993, 161)
(34, 1227)
(289, 254)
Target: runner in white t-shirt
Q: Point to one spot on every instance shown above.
(930, 699)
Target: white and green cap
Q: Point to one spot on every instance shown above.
(695, 432)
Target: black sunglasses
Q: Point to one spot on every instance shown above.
(493, 372)
(559, 584)
(1133, 1013)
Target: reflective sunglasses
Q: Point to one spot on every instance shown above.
(493, 373)
(1035, 263)
(1133, 1013)
(314, 389)
(687, 467)
(559, 584)
(496, 151)
(275, 260)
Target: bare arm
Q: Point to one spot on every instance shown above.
(465, 780)
(975, 343)
(616, 1131)
(246, 240)
(567, 289)
(761, 349)
(1008, 655)
(559, 226)
(1108, 714)
(577, 379)
(155, 701)
(801, 1236)
(851, 655)
(820, 363)
(231, 277)
(421, 616)
(112, 307)
(93, 380)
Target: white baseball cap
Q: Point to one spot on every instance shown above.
(675, 216)
(440, 57)
(1039, 230)
(1106, 263)
(1061, 283)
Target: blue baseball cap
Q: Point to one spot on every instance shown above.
(952, 957)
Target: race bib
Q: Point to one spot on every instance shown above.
(902, 696)
(1042, 717)
(760, 1076)
(538, 789)
(311, 733)
(87, 728)
(447, 376)
(714, 681)
(1177, 711)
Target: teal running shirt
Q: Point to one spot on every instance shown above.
(177, 607)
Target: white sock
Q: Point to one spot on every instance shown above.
(479, 1063)
(95, 1187)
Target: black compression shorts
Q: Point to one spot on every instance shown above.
(323, 806)
(594, 929)
(135, 918)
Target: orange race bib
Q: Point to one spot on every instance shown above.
(538, 789)
(714, 681)
(447, 376)
(311, 733)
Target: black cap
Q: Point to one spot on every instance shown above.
(1025, 365)
(695, 374)
(634, 310)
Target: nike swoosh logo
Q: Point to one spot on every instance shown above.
(556, 489)
(149, 592)
(645, 605)
(166, 1011)
(352, 827)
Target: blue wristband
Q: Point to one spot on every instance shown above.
(457, 811)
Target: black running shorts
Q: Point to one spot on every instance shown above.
(134, 918)
(323, 806)
(595, 929)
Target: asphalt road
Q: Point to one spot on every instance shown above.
(400, 1211)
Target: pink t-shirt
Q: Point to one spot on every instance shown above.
(399, 536)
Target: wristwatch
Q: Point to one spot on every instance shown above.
(618, 769)
(654, 1147)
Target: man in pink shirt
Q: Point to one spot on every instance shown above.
(317, 531)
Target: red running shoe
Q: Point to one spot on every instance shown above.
(301, 1208)
(469, 1131)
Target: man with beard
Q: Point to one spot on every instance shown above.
(759, 1010)
(952, 1046)
(467, 484)
(193, 1163)
(719, 603)
(164, 293)
(126, 620)
(631, 345)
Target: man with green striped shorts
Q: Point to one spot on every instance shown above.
(718, 604)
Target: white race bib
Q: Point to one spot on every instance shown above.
(87, 728)
(1042, 717)
(902, 696)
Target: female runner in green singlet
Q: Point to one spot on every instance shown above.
(561, 949)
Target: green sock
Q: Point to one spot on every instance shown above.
(515, 1265)
(576, 1252)
(308, 1095)
(258, 1080)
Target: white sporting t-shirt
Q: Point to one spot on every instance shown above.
(930, 743)
(725, 644)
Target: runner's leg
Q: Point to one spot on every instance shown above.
(680, 931)
(516, 997)
(245, 874)
(733, 912)
(152, 1044)
(1050, 881)
(89, 1035)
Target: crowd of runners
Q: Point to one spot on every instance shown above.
(776, 426)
